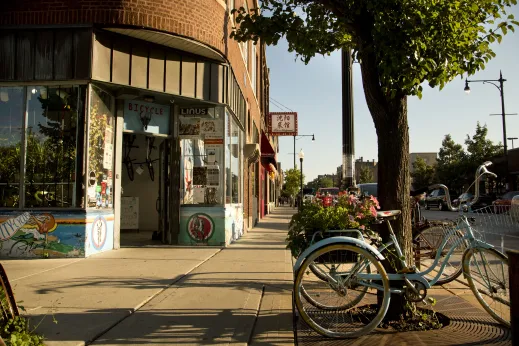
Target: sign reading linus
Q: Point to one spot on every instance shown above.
(158, 114)
(195, 111)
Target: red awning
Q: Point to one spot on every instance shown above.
(266, 147)
(268, 155)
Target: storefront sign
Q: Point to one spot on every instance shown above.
(283, 124)
(195, 111)
(135, 112)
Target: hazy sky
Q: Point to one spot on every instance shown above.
(314, 92)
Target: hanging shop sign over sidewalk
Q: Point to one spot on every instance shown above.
(140, 113)
(282, 124)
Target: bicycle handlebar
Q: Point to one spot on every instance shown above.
(482, 170)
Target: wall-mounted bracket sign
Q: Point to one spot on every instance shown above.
(282, 124)
(146, 117)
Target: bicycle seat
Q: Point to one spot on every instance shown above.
(388, 214)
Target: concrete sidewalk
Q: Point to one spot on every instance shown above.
(165, 295)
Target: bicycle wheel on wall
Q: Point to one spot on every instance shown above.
(426, 245)
(486, 271)
(344, 266)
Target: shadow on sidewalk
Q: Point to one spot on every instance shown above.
(167, 326)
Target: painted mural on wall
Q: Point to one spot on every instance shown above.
(99, 233)
(33, 234)
(202, 226)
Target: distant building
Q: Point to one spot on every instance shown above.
(360, 165)
(429, 158)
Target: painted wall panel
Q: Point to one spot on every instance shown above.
(48, 234)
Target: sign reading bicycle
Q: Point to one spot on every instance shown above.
(138, 113)
(282, 123)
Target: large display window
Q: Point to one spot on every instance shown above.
(233, 161)
(201, 137)
(101, 126)
(49, 157)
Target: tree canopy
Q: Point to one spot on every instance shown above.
(365, 175)
(293, 181)
(410, 42)
(423, 174)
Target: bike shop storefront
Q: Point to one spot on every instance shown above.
(84, 111)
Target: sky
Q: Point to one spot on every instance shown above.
(314, 92)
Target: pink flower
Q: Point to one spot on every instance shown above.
(373, 211)
(362, 227)
(360, 216)
(374, 200)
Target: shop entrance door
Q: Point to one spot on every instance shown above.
(164, 190)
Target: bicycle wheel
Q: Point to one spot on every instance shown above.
(151, 170)
(320, 272)
(486, 271)
(129, 169)
(349, 297)
(7, 300)
(426, 245)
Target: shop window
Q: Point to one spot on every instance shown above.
(11, 127)
(233, 149)
(253, 68)
(51, 159)
(202, 159)
(101, 126)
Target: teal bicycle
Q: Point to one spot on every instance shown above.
(342, 290)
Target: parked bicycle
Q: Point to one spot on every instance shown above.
(337, 279)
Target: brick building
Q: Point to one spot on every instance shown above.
(130, 115)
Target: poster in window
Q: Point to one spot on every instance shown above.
(211, 128)
(189, 128)
(212, 154)
(213, 175)
(199, 195)
(199, 176)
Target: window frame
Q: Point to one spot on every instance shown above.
(80, 163)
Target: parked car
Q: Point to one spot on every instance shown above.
(436, 199)
(503, 203)
(327, 195)
(368, 189)
(483, 200)
(309, 198)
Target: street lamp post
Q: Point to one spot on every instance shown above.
(501, 92)
(301, 157)
(295, 139)
(512, 139)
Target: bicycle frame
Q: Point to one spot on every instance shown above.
(369, 278)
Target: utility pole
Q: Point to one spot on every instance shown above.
(348, 142)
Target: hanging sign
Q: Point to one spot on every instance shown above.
(282, 124)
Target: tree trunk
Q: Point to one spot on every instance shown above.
(390, 119)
